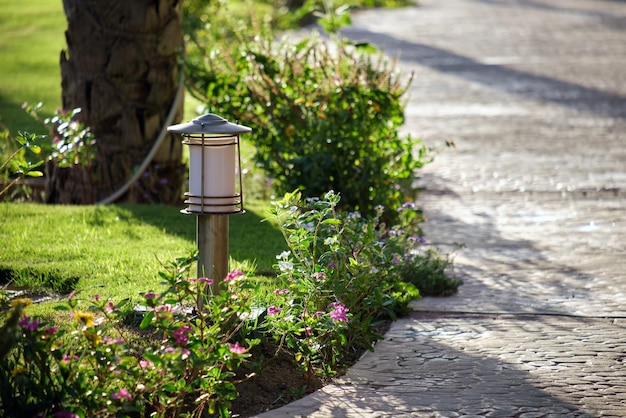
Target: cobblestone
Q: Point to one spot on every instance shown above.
(533, 94)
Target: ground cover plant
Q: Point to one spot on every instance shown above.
(335, 281)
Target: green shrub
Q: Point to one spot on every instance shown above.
(339, 279)
(326, 115)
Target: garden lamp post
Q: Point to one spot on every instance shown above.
(215, 187)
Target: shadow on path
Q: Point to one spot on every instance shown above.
(499, 77)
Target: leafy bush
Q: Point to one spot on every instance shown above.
(326, 115)
(340, 282)
(22, 161)
(69, 143)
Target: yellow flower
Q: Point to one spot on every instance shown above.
(24, 302)
(92, 337)
(18, 370)
(85, 317)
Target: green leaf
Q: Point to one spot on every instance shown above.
(147, 320)
(153, 358)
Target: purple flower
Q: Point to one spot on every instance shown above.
(406, 205)
(27, 324)
(281, 292)
(419, 240)
(182, 334)
(122, 394)
(236, 348)
(339, 312)
(150, 295)
(65, 414)
(319, 275)
(273, 310)
(52, 330)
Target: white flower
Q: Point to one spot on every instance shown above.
(285, 265)
(283, 256)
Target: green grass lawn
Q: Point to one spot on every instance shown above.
(31, 39)
(115, 250)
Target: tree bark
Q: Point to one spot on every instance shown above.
(121, 69)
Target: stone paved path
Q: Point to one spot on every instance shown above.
(533, 94)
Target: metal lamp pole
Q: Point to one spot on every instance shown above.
(214, 192)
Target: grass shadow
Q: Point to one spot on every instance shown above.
(251, 241)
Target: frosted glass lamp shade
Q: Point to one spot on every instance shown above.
(212, 175)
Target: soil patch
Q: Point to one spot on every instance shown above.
(277, 382)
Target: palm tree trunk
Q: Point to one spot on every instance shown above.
(121, 69)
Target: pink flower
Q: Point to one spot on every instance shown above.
(233, 275)
(203, 280)
(182, 334)
(27, 324)
(236, 348)
(150, 295)
(122, 394)
(273, 310)
(339, 312)
(144, 364)
(308, 331)
(319, 275)
(110, 340)
(164, 308)
(281, 292)
(66, 359)
(110, 307)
